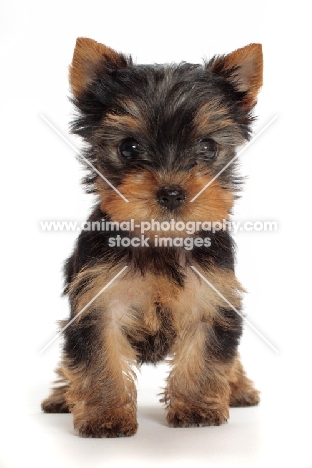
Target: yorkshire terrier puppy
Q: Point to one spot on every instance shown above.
(158, 134)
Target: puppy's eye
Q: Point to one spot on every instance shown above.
(207, 149)
(129, 148)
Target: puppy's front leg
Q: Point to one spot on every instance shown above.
(197, 393)
(198, 389)
(98, 364)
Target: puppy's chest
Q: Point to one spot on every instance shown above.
(149, 302)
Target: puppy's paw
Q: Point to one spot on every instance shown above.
(112, 423)
(245, 397)
(54, 405)
(195, 417)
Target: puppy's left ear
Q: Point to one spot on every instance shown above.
(243, 68)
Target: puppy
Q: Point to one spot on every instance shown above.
(159, 144)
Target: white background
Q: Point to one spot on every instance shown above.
(40, 180)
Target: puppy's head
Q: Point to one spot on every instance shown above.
(162, 133)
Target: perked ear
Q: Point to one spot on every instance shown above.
(243, 68)
(91, 57)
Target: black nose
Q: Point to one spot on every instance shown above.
(171, 196)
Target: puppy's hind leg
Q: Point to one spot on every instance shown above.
(243, 392)
(56, 401)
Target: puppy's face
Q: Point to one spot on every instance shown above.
(160, 134)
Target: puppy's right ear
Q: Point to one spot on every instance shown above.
(90, 60)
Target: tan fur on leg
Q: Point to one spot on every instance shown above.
(56, 402)
(243, 392)
(197, 393)
(102, 395)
